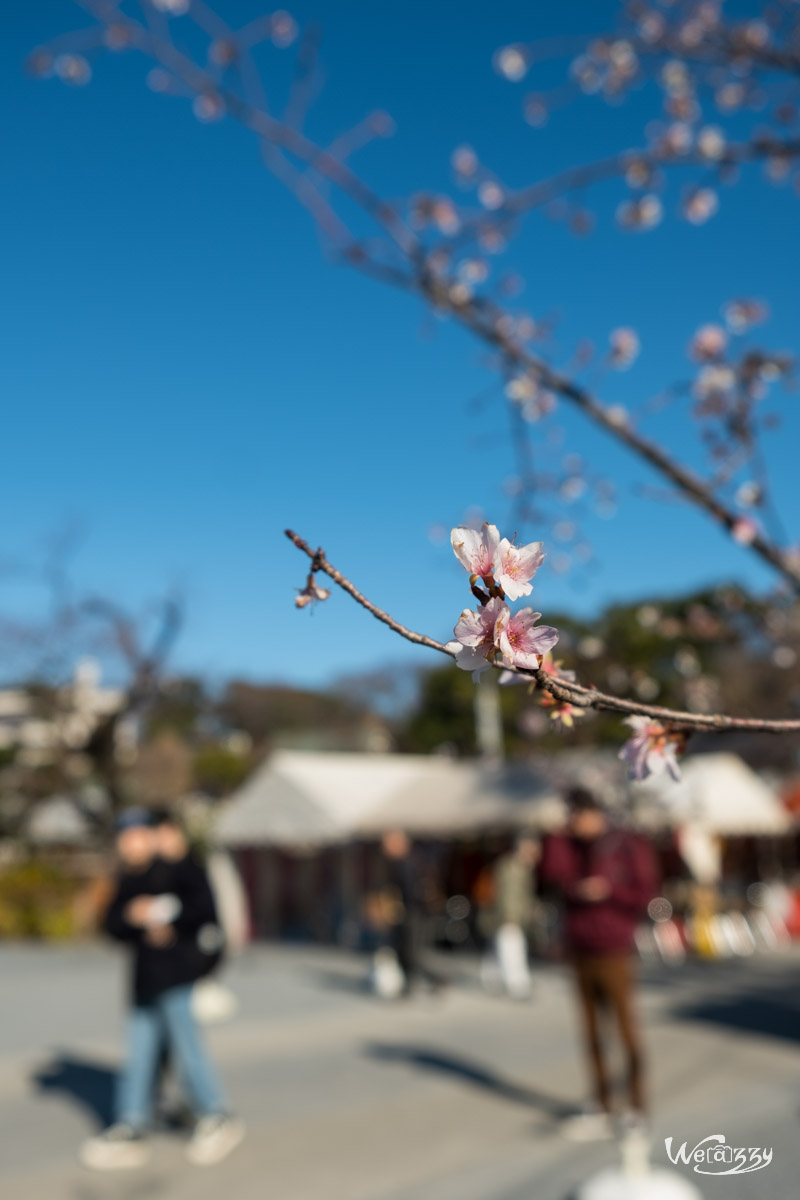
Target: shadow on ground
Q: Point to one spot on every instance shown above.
(472, 1073)
(88, 1083)
(774, 1015)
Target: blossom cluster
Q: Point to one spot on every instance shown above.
(492, 633)
(652, 750)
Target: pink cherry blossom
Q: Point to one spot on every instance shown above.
(651, 751)
(700, 205)
(490, 194)
(464, 160)
(476, 636)
(624, 348)
(711, 142)
(708, 343)
(515, 566)
(475, 549)
(519, 642)
(512, 62)
(311, 594)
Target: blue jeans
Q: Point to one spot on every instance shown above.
(169, 1020)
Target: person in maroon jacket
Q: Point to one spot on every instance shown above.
(605, 878)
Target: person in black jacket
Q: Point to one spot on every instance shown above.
(163, 910)
(178, 862)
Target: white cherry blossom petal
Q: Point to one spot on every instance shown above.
(475, 549)
(515, 566)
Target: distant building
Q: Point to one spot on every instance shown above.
(36, 723)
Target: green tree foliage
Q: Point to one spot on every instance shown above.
(281, 714)
(218, 770)
(444, 716)
(178, 708)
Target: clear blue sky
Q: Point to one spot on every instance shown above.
(184, 375)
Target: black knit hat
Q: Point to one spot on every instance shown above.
(580, 799)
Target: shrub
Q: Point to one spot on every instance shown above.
(36, 901)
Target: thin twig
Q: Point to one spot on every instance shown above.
(321, 564)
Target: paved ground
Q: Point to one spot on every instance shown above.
(452, 1098)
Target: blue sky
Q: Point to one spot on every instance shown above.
(185, 375)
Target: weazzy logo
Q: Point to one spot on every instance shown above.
(713, 1156)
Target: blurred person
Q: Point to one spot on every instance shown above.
(230, 901)
(515, 910)
(161, 908)
(605, 877)
(211, 1001)
(381, 911)
(180, 867)
(414, 893)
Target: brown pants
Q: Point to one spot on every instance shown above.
(606, 982)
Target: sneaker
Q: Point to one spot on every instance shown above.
(213, 1139)
(592, 1125)
(118, 1148)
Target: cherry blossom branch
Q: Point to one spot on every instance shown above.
(558, 686)
(516, 203)
(486, 322)
(406, 261)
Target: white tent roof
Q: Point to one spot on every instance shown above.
(718, 793)
(299, 797)
(452, 796)
(270, 808)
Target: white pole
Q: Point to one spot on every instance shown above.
(488, 721)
